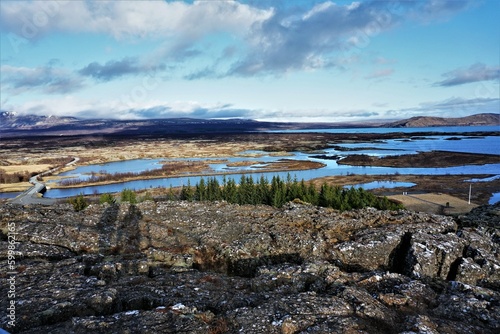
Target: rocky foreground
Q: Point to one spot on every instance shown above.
(179, 267)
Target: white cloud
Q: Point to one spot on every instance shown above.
(271, 40)
(71, 105)
(115, 109)
(123, 19)
(287, 42)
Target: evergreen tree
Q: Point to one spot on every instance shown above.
(230, 191)
(352, 197)
(263, 191)
(337, 197)
(325, 196)
(278, 192)
(79, 203)
(251, 191)
(213, 190)
(187, 193)
(312, 194)
(242, 190)
(200, 193)
(128, 195)
(107, 198)
(302, 191)
(292, 188)
(170, 194)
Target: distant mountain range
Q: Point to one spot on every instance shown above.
(14, 125)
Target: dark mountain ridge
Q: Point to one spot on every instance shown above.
(15, 125)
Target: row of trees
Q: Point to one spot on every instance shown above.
(279, 191)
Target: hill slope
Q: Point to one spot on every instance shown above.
(426, 121)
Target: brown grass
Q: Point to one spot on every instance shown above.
(12, 187)
(434, 203)
(12, 169)
(242, 163)
(291, 165)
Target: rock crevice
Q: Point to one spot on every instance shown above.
(216, 267)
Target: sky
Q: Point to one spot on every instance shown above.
(268, 60)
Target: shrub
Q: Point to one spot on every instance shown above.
(147, 197)
(107, 198)
(79, 203)
(128, 195)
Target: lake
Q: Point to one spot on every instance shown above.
(441, 129)
(495, 198)
(483, 145)
(486, 145)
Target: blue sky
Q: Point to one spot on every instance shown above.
(266, 60)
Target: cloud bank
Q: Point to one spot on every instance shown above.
(128, 19)
(272, 40)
